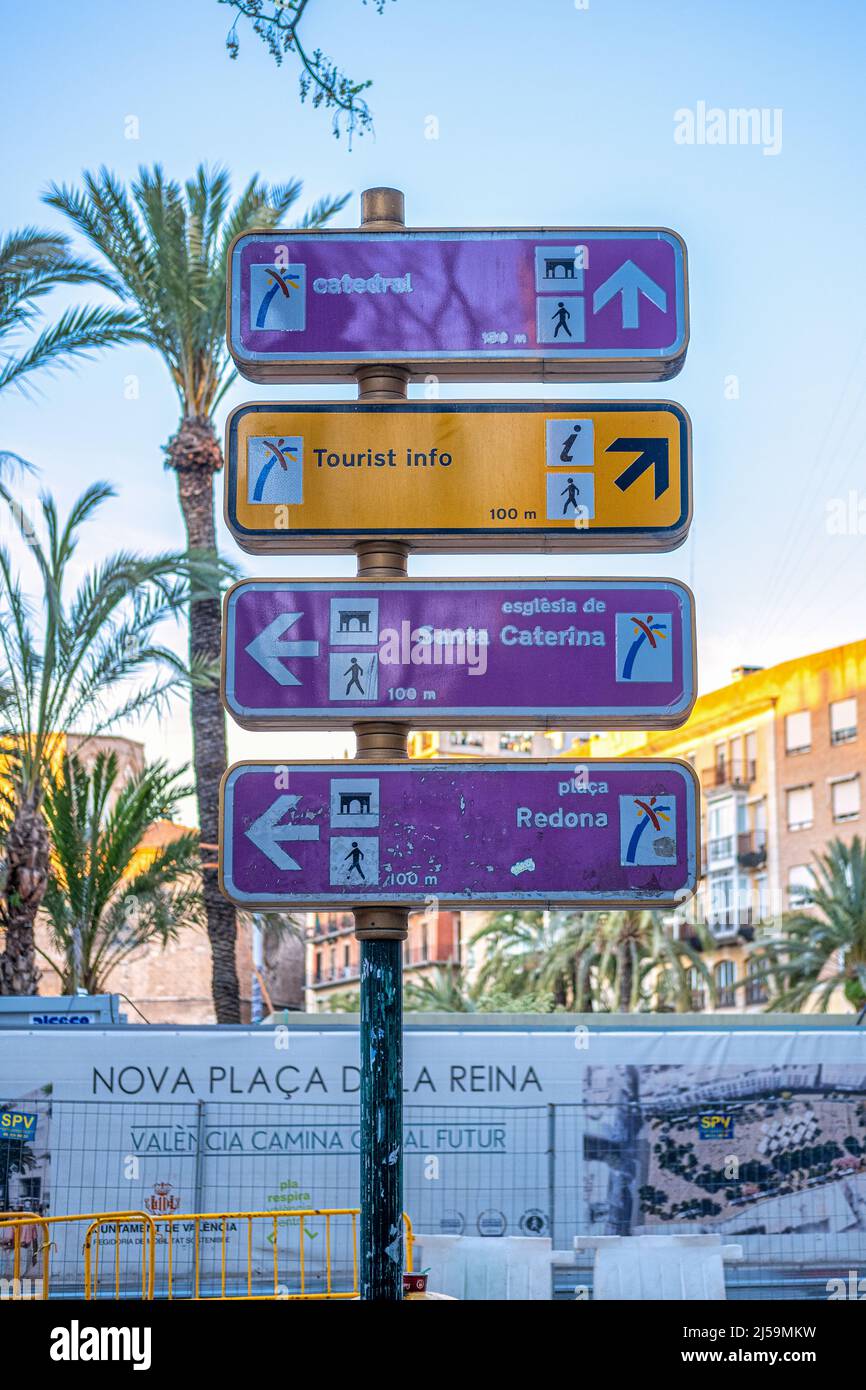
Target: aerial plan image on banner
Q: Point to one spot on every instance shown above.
(565, 303)
(494, 831)
(615, 652)
(459, 475)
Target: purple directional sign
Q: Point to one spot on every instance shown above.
(314, 835)
(552, 652)
(571, 303)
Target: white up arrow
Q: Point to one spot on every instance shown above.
(268, 649)
(266, 832)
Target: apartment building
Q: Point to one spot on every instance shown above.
(334, 953)
(781, 757)
(466, 743)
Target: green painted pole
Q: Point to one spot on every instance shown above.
(381, 1264)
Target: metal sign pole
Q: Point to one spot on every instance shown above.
(381, 931)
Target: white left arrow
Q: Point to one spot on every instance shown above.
(269, 648)
(267, 832)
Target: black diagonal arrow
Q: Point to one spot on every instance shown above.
(653, 453)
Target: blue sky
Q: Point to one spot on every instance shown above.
(548, 114)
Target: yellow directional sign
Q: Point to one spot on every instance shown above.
(467, 475)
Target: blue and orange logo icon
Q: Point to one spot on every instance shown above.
(643, 647)
(642, 814)
(275, 469)
(278, 297)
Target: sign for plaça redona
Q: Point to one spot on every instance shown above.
(459, 475)
(546, 833)
(555, 652)
(600, 304)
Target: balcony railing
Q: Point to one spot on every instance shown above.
(720, 848)
(412, 958)
(752, 848)
(843, 735)
(344, 925)
(736, 775)
(726, 922)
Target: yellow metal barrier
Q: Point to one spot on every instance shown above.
(18, 1232)
(92, 1248)
(315, 1272)
(275, 1289)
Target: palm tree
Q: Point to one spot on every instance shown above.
(639, 965)
(821, 947)
(442, 991)
(605, 961)
(445, 991)
(670, 966)
(521, 953)
(106, 895)
(168, 246)
(87, 657)
(32, 264)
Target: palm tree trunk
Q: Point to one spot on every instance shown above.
(195, 455)
(625, 978)
(27, 851)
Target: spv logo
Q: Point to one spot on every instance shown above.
(17, 1124)
(714, 1125)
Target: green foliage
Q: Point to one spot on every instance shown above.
(589, 961)
(821, 948)
(86, 655)
(347, 1002)
(105, 899)
(444, 990)
(168, 247)
(32, 264)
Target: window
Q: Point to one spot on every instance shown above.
(801, 812)
(461, 738)
(697, 990)
(845, 797)
(722, 912)
(318, 967)
(801, 881)
(721, 826)
(756, 991)
(798, 732)
(843, 720)
(515, 743)
(724, 976)
(762, 898)
(751, 755)
(425, 945)
(754, 842)
(346, 958)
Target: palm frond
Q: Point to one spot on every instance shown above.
(167, 247)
